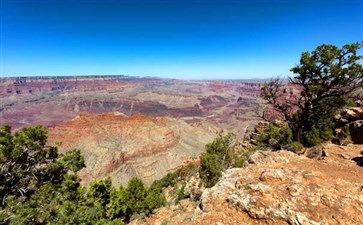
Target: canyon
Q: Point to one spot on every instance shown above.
(130, 126)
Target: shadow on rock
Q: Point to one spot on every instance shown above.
(358, 160)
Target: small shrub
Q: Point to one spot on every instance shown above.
(247, 187)
(219, 156)
(165, 221)
(350, 103)
(275, 137)
(211, 169)
(295, 147)
(180, 195)
(239, 161)
(312, 137)
(344, 132)
(317, 135)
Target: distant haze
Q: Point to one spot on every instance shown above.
(217, 39)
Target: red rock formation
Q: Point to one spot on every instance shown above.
(123, 146)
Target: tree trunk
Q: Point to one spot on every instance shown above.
(296, 134)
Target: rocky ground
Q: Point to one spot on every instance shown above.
(280, 188)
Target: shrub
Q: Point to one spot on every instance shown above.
(218, 157)
(295, 147)
(283, 137)
(317, 135)
(180, 195)
(211, 169)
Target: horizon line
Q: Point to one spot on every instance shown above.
(129, 76)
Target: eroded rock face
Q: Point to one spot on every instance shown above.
(350, 114)
(282, 187)
(126, 146)
(50, 101)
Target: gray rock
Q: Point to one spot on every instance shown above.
(274, 143)
(314, 152)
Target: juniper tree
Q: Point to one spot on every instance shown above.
(326, 78)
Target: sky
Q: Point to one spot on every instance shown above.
(184, 39)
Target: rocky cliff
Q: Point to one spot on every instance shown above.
(123, 147)
(280, 188)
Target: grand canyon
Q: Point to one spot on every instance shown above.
(152, 128)
(130, 126)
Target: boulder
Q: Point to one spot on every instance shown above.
(314, 152)
(356, 131)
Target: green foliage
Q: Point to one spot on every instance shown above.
(211, 169)
(240, 160)
(345, 132)
(100, 191)
(180, 195)
(6, 143)
(294, 146)
(135, 196)
(169, 180)
(282, 135)
(40, 186)
(328, 79)
(154, 200)
(223, 147)
(350, 103)
(283, 138)
(116, 207)
(316, 136)
(110, 222)
(174, 180)
(219, 156)
(27, 163)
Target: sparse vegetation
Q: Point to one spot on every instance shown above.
(279, 138)
(221, 154)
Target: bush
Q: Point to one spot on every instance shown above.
(283, 137)
(317, 135)
(169, 180)
(181, 195)
(211, 169)
(295, 147)
(218, 157)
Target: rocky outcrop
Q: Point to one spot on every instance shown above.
(356, 131)
(354, 117)
(258, 130)
(284, 188)
(123, 146)
(350, 114)
(278, 188)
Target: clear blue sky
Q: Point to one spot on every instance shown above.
(177, 39)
